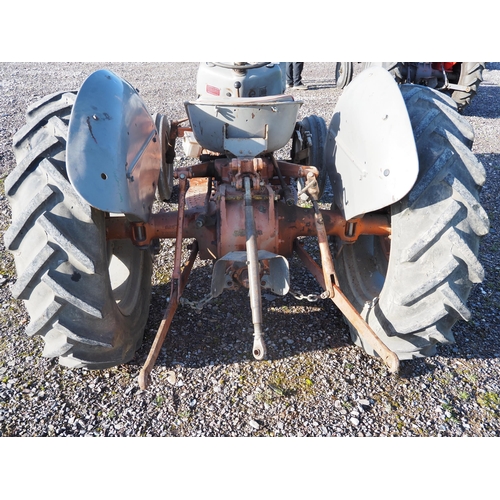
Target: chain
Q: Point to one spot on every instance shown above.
(197, 305)
(311, 297)
(200, 304)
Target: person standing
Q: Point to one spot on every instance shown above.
(294, 75)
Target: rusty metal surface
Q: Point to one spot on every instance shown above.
(179, 279)
(177, 288)
(239, 205)
(278, 225)
(348, 310)
(365, 331)
(196, 194)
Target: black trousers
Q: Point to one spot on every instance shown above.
(294, 73)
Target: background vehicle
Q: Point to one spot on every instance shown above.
(459, 80)
(398, 248)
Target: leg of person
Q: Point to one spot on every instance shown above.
(289, 74)
(297, 74)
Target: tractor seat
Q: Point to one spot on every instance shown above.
(244, 127)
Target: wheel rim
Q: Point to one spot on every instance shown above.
(125, 264)
(365, 267)
(343, 74)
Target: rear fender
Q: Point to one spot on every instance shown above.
(113, 152)
(370, 153)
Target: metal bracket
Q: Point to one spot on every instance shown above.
(179, 279)
(278, 279)
(348, 310)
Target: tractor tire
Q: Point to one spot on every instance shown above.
(471, 76)
(413, 287)
(165, 185)
(466, 74)
(87, 297)
(313, 133)
(343, 74)
(398, 70)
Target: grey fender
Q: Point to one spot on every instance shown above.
(370, 152)
(113, 152)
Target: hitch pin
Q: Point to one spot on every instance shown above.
(139, 233)
(350, 229)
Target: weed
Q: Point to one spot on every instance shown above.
(347, 405)
(277, 389)
(446, 379)
(184, 414)
(399, 423)
(298, 384)
(264, 397)
(489, 400)
(308, 382)
(469, 377)
(447, 407)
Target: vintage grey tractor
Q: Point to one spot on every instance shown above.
(398, 247)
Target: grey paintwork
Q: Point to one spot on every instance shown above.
(370, 153)
(113, 151)
(244, 127)
(220, 83)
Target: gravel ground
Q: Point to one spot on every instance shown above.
(205, 383)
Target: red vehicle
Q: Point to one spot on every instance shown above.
(460, 80)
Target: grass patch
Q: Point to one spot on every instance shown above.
(489, 401)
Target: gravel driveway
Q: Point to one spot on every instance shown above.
(205, 383)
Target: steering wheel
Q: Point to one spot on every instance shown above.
(242, 66)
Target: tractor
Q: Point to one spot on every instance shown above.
(459, 80)
(398, 247)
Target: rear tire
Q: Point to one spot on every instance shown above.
(398, 70)
(310, 148)
(343, 74)
(87, 297)
(466, 74)
(470, 76)
(166, 175)
(413, 288)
